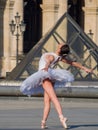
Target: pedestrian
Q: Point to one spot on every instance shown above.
(47, 76)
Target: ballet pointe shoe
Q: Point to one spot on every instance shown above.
(43, 125)
(63, 121)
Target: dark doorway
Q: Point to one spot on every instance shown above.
(33, 20)
(76, 11)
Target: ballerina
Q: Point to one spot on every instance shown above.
(47, 76)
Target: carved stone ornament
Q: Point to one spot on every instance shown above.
(11, 3)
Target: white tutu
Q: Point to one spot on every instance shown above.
(32, 83)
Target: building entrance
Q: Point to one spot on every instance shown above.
(76, 12)
(33, 20)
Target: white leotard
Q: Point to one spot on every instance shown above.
(43, 60)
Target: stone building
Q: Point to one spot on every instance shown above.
(39, 16)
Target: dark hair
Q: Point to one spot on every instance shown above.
(64, 50)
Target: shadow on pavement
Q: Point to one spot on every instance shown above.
(82, 125)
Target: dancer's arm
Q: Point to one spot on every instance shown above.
(78, 65)
(48, 59)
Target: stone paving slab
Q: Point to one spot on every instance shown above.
(26, 113)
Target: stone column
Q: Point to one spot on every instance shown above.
(62, 7)
(62, 30)
(91, 18)
(5, 41)
(50, 16)
(2, 4)
(63, 27)
(91, 23)
(18, 7)
(52, 11)
(2, 8)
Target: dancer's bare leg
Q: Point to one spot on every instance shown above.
(48, 87)
(47, 105)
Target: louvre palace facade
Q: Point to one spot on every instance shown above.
(38, 16)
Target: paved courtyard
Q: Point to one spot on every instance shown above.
(22, 113)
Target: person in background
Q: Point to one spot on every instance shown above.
(47, 75)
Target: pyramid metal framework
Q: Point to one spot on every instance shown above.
(65, 30)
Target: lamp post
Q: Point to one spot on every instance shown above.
(17, 29)
(90, 34)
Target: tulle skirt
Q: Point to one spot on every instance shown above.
(33, 83)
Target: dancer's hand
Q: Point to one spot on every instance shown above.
(87, 70)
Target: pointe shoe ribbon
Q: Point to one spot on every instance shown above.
(43, 125)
